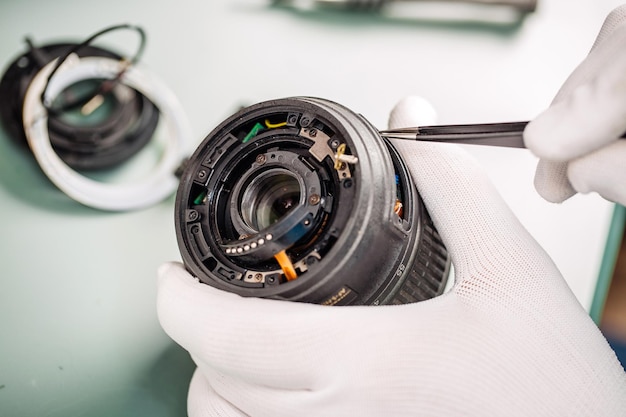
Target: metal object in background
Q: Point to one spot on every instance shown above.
(484, 14)
(525, 6)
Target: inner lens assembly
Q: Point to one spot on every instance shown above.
(301, 199)
(122, 125)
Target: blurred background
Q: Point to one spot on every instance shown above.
(79, 334)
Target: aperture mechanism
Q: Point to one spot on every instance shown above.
(301, 199)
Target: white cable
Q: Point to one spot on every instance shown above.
(157, 185)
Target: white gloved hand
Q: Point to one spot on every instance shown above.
(510, 338)
(576, 138)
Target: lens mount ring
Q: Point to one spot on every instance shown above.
(157, 185)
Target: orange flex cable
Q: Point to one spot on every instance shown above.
(285, 263)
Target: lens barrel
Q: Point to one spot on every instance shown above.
(301, 199)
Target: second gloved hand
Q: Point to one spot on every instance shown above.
(577, 137)
(509, 339)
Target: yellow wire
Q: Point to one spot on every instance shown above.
(274, 126)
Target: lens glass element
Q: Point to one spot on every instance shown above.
(268, 198)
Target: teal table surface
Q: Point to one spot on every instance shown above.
(79, 335)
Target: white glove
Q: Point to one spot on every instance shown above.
(576, 138)
(510, 338)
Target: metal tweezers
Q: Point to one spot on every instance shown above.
(493, 134)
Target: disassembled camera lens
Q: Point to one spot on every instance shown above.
(143, 192)
(42, 92)
(82, 142)
(301, 199)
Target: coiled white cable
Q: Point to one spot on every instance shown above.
(157, 185)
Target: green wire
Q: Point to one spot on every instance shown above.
(255, 130)
(199, 199)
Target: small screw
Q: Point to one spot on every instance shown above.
(261, 159)
(193, 215)
(258, 277)
(202, 174)
(312, 133)
(314, 199)
(334, 143)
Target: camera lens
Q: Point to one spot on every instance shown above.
(301, 199)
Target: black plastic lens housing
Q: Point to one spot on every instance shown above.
(301, 199)
(113, 134)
